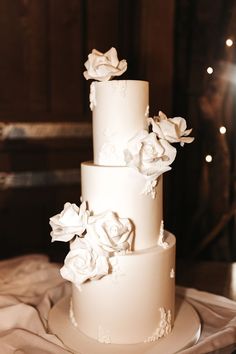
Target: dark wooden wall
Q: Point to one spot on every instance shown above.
(45, 123)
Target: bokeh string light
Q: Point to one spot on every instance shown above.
(210, 70)
(208, 158)
(229, 42)
(222, 129)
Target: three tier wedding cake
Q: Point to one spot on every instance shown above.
(121, 261)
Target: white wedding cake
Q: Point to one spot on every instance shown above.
(121, 261)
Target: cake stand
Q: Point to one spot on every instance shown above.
(185, 333)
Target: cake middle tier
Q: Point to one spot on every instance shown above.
(119, 189)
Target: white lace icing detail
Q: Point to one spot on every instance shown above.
(120, 86)
(103, 335)
(161, 240)
(116, 269)
(92, 96)
(150, 188)
(164, 326)
(147, 112)
(112, 151)
(108, 133)
(110, 154)
(72, 316)
(172, 273)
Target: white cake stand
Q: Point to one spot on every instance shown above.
(185, 333)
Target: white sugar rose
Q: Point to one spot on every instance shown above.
(171, 129)
(83, 263)
(70, 222)
(150, 156)
(110, 233)
(103, 67)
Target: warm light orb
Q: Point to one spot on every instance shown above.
(209, 70)
(208, 158)
(229, 42)
(222, 130)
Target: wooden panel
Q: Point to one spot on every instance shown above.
(102, 24)
(25, 217)
(23, 67)
(33, 179)
(66, 58)
(36, 53)
(36, 130)
(44, 155)
(156, 52)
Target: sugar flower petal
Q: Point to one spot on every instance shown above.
(70, 222)
(83, 263)
(174, 130)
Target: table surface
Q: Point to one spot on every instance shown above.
(215, 277)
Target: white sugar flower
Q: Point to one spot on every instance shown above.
(150, 156)
(110, 233)
(104, 66)
(173, 130)
(83, 263)
(70, 222)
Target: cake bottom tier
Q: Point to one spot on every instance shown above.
(134, 302)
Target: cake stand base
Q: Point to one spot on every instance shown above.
(185, 333)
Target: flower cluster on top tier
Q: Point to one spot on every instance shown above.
(93, 239)
(151, 153)
(104, 66)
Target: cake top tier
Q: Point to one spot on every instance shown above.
(120, 111)
(123, 132)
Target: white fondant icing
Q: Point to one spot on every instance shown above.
(103, 335)
(119, 189)
(120, 108)
(71, 315)
(92, 96)
(161, 240)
